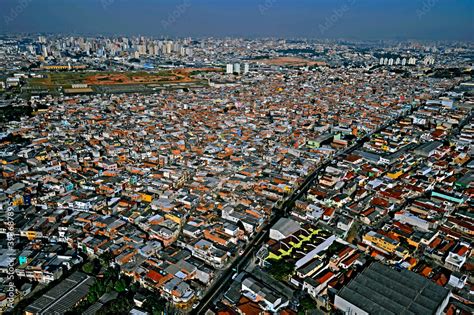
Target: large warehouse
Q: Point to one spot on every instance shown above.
(382, 290)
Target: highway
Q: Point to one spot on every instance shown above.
(223, 283)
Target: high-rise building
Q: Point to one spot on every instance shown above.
(237, 68)
(246, 68)
(429, 60)
(44, 51)
(229, 68)
(141, 49)
(167, 48)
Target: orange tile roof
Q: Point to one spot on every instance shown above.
(155, 276)
(426, 271)
(248, 307)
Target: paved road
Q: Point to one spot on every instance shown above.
(226, 277)
(224, 281)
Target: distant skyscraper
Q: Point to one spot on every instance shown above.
(44, 51)
(429, 60)
(246, 68)
(141, 49)
(229, 68)
(237, 67)
(412, 61)
(168, 48)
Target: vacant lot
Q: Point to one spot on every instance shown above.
(292, 61)
(66, 79)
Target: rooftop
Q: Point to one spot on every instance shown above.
(382, 290)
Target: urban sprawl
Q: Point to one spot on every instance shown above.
(235, 176)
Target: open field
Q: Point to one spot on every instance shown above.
(292, 61)
(66, 79)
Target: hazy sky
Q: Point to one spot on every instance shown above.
(362, 19)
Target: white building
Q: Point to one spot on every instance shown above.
(409, 218)
(246, 68)
(237, 68)
(267, 298)
(284, 228)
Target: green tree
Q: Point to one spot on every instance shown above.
(111, 273)
(120, 285)
(118, 306)
(88, 267)
(134, 287)
(281, 269)
(92, 297)
(306, 304)
(109, 286)
(154, 304)
(105, 259)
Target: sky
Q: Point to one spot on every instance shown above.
(350, 19)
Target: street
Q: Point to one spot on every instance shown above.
(225, 280)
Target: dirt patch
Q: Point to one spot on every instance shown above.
(292, 61)
(171, 76)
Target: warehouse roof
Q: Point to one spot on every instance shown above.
(380, 289)
(286, 226)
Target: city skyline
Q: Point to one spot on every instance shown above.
(351, 19)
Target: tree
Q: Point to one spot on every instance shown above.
(306, 304)
(88, 267)
(281, 270)
(92, 297)
(109, 286)
(154, 304)
(120, 285)
(118, 306)
(111, 273)
(134, 287)
(106, 258)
